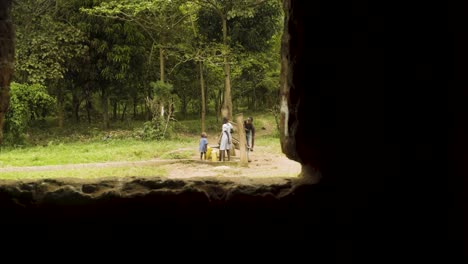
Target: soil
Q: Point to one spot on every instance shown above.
(262, 164)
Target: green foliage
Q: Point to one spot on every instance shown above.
(160, 126)
(257, 77)
(253, 30)
(89, 52)
(152, 130)
(131, 8)
(162, 90)
(192, 126)
(250, 25)
(27, 103)
(210, 25)
(45, 44)
(158, 19)
(186, 87)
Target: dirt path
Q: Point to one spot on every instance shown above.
(263, 164)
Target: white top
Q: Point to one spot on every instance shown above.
(226, 138)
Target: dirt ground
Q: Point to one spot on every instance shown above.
(263, 164)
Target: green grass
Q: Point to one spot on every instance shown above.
(87, 173)
(83, 143)
(183, 154)
(271, 144)
(46, 144)
(89, 152)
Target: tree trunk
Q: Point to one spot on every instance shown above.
(218, 103)
(87, 99)
(184, 105)
(5, 77)
(202, 83)
(149, 115)
(114, 110)
(105, 108)
(221, 102)
(135, 102)
(207, 99)
(7, 57)
(163, 79)
(88, 110)
(227, 104)
(254, 98)
(60, 106)
(242, 141)
(123, 111)
(161, 64)
(76, 106)
(203, 106)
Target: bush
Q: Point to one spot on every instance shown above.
(154, 130)
(27, 103)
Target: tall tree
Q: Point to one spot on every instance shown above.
(258, 81)
(222, 9)
(228, 11)
(158, 19)
(195, 47)
(47, 43)
(7, 55)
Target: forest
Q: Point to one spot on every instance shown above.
(154, 62)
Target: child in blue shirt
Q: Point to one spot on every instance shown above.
(203, 146)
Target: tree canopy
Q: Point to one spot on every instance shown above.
(101, 60)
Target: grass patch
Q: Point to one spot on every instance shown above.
(88, 143)
(87, 173)
(183, 154)
(270, 144)
(90, 152)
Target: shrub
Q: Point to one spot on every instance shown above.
(27, 103)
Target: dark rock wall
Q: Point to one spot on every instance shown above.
(7, 54)
(373, 97)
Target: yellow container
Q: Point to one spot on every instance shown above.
(208, 153)
(214, 155)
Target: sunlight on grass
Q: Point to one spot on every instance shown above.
(183, 154)
(114, 150)
(85, 144)
(270, 144)
(75, 153)
(87, 173)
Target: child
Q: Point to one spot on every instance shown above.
(225, 141)
(203, 146)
